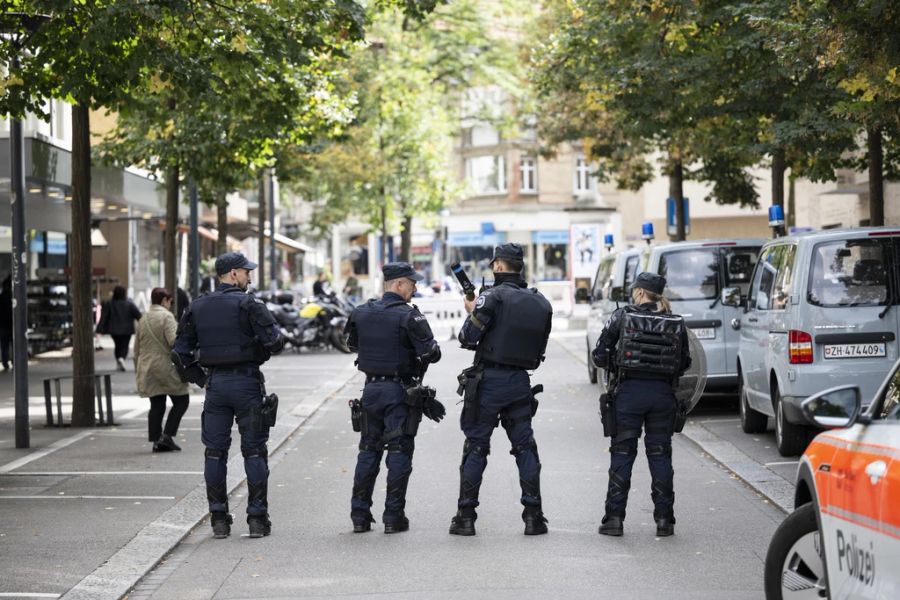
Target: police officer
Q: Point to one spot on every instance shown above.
(395, 345)
(645, 349)
(231, 334)
(508, 327)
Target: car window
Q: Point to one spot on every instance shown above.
(850, 273)
(739, 263)
(890, 408)
(764, 279)
(602, 279)
(691, 274)
(781, 288)
(631, 265)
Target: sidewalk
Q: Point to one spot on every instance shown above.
(75, 507)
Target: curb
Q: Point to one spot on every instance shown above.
(766, 483)
(123, 570)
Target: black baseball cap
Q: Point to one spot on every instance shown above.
(396, 270)
(650, 282)
(510, 251)
(233, 260)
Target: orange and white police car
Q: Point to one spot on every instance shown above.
(843, 538)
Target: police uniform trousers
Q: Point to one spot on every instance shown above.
(386, 413)
(504, 398)
(649, 404)
(235, 396)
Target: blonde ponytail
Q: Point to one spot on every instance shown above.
(662, 301)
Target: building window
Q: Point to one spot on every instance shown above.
(486, 174)
(584, 182)
(527, 175)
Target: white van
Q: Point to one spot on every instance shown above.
(819, 315)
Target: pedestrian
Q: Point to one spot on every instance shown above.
(6, 321)
(645, 349)
(321, 287)
(156, 375)
(508, 327)
(117, 319)
(182, 300)
(395, 345)
(231, 333)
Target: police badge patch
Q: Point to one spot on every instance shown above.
(480, 301)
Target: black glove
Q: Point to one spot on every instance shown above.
(434, 410)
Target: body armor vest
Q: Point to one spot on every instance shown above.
(224, 333)
(650, 344)
(518, 334)
(381, 347)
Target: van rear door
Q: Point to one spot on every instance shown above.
(737, 270)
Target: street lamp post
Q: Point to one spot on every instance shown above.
(193, 243)
(273, 256)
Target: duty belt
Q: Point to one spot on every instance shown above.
(402, 380)
(249, 371)
(492, 365)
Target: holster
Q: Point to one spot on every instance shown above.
(416, 397)
(269, 410)
(680, 417)
(608, 414)
(535, 390)
(469, 380)
(357, 415)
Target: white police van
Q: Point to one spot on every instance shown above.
(819, 314)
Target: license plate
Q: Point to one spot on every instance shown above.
(704, 333)
(854, 350)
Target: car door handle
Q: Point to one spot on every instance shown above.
(752, 319)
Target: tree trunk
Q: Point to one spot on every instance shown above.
(791, 218)
(171, 235)
(385, 257)
(876, 177)
(222, 225)
(406, 239)
(263, 203)
(778, 168)
(676, 190)
(80, 288)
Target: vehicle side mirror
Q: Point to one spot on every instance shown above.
(731, 296)
(833, 408)
(617, 294)
(582, 296)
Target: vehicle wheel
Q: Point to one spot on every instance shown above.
(752, 421)
(592, 370)
(789, 438)
(794, 567)
(338, 341)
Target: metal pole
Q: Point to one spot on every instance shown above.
(273, 252)
(193, 243)
(20, 297)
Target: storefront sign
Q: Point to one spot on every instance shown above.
(476, 239)
(585, 249)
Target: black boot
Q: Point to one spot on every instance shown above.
(613, 525)
(165, 443)
(665, 526)
(535, 521)
(396, 524)
(663, 494)
(464, 522)
(260, 525)
(362, 523)
(221, 524)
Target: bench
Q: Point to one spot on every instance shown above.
(102, 388)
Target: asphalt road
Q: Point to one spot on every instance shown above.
(723, 529)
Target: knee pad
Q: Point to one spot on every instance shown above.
(658, 449)
(531, 445)
(369, 447)
(406, 445)
(625, 447)
(255, 452)
(212, 453)
(470, 448)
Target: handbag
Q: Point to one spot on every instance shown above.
(159, 343)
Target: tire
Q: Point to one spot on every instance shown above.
(592, 370)
(790, 439)
(752, 421)
(794, 568)
(337, 340)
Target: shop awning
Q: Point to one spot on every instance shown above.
(286, 243)
(202, 231)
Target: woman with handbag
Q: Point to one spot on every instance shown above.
(156, 375)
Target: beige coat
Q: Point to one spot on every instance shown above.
(153, 341)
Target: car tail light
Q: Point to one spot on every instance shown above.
(800, 347)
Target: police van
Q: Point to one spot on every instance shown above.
(615, 274)
(820, 313)
(706, 282)
(843, 538)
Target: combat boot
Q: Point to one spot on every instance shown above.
(221, 524)
(613, 525)
(395, 524)
(464, 522)
(260, 525)
(362, 523)
(535, 521)
(665, 526)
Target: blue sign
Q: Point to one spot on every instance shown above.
(671, 225)
(487, 228)
(54, 245)
(549, 237)
(474, 238)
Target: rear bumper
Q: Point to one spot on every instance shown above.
(792, 410)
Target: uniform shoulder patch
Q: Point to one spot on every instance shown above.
(480, 301)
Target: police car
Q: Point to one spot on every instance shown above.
(843, 538)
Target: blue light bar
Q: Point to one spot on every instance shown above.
(776, 216)
(647, 231)
(608, 241)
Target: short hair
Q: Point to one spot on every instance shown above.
(119, 293)
(513, 264)
(158, 295)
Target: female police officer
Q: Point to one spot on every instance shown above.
(645, 349)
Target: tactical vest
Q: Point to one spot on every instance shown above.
(224, 333)
(381, 347)
(518, 333)
(650, 344)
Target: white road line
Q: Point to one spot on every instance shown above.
(722, 420)
(135, 413)
(19, 462)
(68, 473)
(782, 463)
(27, 595)
(87, 497)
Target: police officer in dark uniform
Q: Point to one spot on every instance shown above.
(395, 345)
(231, 333)
(508, 327)
(645, 350)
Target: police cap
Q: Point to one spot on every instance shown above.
(509, 251)
(650, 282)
(396, 270)
(233, 260)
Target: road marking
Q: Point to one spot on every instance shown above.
(26, 595)
(720, 420)
(135, 413)
(781, 463)
(68, 473)
(87, 497)
(19, 462)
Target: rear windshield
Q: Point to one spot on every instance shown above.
(739, 264)
(691, 274)
(850, 273)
